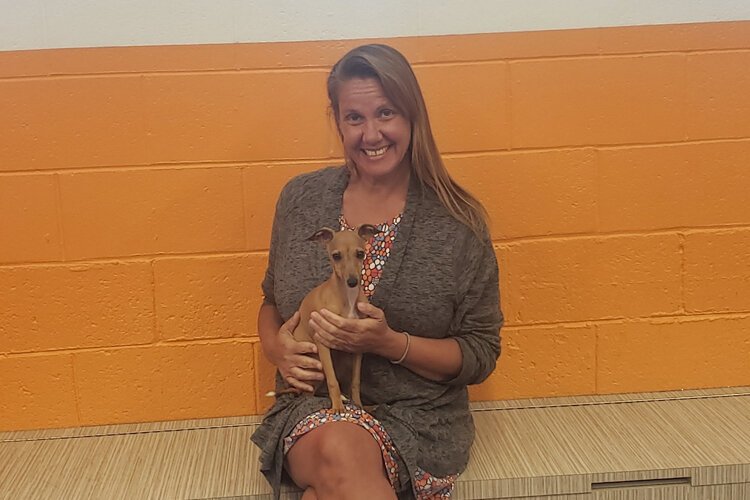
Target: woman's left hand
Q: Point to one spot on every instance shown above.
(351, 335)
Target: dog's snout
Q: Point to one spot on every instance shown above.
(352, 282)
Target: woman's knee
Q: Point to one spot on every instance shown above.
(339, 460)
(338, 449)
(309, 494)
(348, 446)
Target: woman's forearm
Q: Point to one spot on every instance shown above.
(434, 359)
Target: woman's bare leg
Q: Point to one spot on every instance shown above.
(339, 460)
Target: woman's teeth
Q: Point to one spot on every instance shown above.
(375, 152)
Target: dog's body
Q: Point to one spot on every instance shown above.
(339, 294)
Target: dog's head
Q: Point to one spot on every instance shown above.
(346, 250)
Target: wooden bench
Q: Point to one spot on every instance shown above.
(690, 445)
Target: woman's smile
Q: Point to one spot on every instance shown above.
(376, 153)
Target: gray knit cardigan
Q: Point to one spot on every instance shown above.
(439, 281)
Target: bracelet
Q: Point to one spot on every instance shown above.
(406, 351)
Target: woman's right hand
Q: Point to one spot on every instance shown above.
(297, 361)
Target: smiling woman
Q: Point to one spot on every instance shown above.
(431, 326)
(375, 134)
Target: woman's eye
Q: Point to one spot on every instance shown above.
(353, 118)
(387, 113)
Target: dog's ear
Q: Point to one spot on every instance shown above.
(367, 231)
(322, 235)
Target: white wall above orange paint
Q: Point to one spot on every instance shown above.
(40, 24)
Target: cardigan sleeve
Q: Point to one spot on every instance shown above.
(268, 280)
(478, 318)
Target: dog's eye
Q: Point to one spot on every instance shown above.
(336, 256)
(360, 254)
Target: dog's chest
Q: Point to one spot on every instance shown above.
(350, 305)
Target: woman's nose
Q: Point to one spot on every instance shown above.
(371, 132)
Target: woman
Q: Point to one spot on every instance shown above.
(432, 324)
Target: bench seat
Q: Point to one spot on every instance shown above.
(691, 445)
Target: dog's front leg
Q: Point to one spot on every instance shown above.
(334, 391)
(356, 379)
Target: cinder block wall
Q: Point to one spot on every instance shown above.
(137, 186)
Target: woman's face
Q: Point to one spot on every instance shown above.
(375, 134)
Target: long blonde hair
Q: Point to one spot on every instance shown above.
(391, 69)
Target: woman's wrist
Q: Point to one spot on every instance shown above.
(395, 346)
(402, 358)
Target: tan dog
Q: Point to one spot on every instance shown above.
(339, 294)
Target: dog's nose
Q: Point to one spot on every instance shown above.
(352, 282)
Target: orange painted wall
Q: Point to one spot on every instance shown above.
(137, 187)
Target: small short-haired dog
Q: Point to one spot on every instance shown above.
(339, 294)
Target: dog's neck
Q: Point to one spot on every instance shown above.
(351, 302)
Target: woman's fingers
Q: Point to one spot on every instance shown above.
(307, 362)
(330, 321)
(323, 327)
(305, 375)
(343, 334)
(370, 310)
(291, 323)
(304, 348)
(326, 338)
(351, 325)
(293, 382)
(302, 371)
